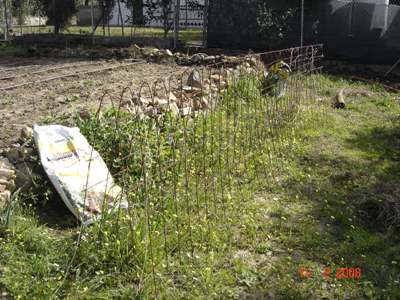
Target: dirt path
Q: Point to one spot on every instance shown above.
(30, 103)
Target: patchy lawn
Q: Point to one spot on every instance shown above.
(187, 35)
(336, 205)
(331, 203)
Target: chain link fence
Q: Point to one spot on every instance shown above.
(262, 24)
(362, 30)
(118, 21)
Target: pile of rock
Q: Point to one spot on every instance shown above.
(198, 93)
(155, 55)
(13, 170)
(202, 59)
(20, 156)
(166, 56)
(150, 54)
(7, 181)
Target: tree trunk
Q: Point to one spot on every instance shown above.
(104, 21)
(6, 20)
(205, 23)
(176, 22)
(165, 17)
(98, 23)
(108, 20)
(120, 15)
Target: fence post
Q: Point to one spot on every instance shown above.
(91, 14)
(5, 20)
(350, 25)
(386, 6)
(302, 24)
(205, 23)
(92, 21)
(120, 17)
(176, 22)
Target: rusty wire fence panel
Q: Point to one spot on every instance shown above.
(188, 156)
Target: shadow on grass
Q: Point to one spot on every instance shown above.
(382, 204)
(362, 203)
(54, 214)
(354, 198)
(47, 205)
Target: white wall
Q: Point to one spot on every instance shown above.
(194, 20)
(116, 20)
(374, 1)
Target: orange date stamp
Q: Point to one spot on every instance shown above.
(328, 273)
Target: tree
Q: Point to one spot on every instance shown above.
(160, 10)
(136, 17)
(273, 24)
(106, 7)
(19, 10)
(254, 24)
(58, 12)
(136, 8)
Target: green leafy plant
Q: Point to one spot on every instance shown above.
(273, 24)
(58, 12)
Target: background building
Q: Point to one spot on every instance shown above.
(190, 16)
(362, 30)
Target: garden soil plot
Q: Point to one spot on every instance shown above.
(32, 90)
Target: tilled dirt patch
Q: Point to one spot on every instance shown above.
(25, 104)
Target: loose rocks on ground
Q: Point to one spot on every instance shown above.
(7, 181)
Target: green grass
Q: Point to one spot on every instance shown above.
(317, 204)
(345, 170)
(7, 50)
(191, 36)
(187, 35)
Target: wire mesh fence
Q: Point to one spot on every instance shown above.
(188, 152)
(116, 19)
